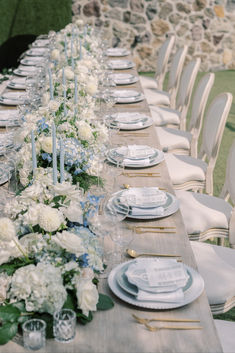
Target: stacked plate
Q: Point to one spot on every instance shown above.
(124, 79)
(6, 142)
(37, 52)
(17, 83)
(5, 172)
(129, 120)
(144, 203)
(13, 98)
(25, 70)
(156, 283)
(135, 156)
(9, 117)
(41, 43)
(117, 52)
(32, 60)
(120, 64)
(127, 96)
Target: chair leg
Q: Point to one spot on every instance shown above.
(220, 241)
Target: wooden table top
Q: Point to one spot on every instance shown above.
(115, 330)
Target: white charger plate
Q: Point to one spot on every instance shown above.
(17, 83)
(31, 61)
(41, 43)
(120, 64)
(9, 117)
(190, 294)
(138, 120)
(117, 52)
(37, 51)
(25, 70)
(13, 98)
(127, 96)
(171, 206)
(124, 79)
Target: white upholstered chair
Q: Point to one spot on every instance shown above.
(226, 330)
(207, 216)
(173, 117)
(158, 97)
(188, 173)
(216, 264)
(162, 61)
(186, 142)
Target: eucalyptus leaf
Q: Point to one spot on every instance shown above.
(105, 302)
(8, 331)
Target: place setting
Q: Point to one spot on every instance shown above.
(135, 156)
(32, 60)
(129, 120)
(117, 52)
(37, 51)
(13, 98)
(9, 117)
(144, 203)
(120, 64)
(25, 70)
(124, 78)
(127, 96)
(156, 283)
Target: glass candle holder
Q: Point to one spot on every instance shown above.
(34, 334)
(64, 325)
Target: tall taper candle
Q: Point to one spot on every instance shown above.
(51, 84)
(61, 161)
(65, 48)
(64, 82)
(80, 49)
(33, 152)
(54, 160)
(76, 90)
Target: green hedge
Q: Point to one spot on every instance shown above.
(33, 16)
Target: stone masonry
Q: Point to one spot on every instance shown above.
(206, 26)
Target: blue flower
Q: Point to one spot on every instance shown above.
(46, 157)
(83, 260)
(42, 125)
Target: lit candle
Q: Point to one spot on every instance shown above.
(33, 152)
(64, 82)
(61, 161)
(51, 84)
(54, 160)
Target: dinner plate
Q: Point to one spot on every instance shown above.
(120, 64)
(13, 98)
(137, 120)
(117, 52)
(17, 83)
(127, 96)
(5, 170)
(37, 52)
(194, 289)
(31, 61)
(25, 70)
(124, 79)
(9, 117)
(41, 43)
(131, 288)
(169, 208)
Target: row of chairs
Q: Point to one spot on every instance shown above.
(205, 216)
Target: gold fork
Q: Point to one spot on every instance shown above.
(158, 328)
(153, 227)
(140, 231)
(146, 321)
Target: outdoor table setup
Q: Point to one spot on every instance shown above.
(159, 300)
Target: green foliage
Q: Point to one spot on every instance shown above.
(33, 17)
(10, 267)
(105, 302)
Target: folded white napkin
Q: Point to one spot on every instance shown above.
(132, 126)
(136, 162)
(155, 211)
(168, 297)
(145, 197)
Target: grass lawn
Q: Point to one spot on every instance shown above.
(224, 82)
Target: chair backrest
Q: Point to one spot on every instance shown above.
(198, 108)
(187, 81)
(175, 73)
(212, 133)
(162, 60)
(229, 185)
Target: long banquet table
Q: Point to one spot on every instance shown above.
(115, 330)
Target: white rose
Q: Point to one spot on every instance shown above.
(33, 242)
(33, 191)
(69, 241)
(7, 229)
(50, 219)
(55, 54)
(74, 212)
(45, 98)
(31, 118)
(79, 23)
(4, 285)
(87, 295)
(31, 216)
(84, 131)
(46, 144)
(91, 88)
(70, 191)
(24, 174)
(68, 73)
(53, 105)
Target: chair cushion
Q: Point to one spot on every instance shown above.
(171, 139)
(226, 330)
(163, 116)
(156, 97)
(202, 212)
(148, 82)
(216, 264)
(185, 168)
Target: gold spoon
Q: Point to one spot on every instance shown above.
(142, 231)
(134, 254)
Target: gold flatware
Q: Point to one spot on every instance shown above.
(147, 175)
(176, 327)
(134, 254)
(153, 227)
(146, 321)
(128, 186)
(140, 174)
(140, 231)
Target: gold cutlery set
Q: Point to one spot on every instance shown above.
(137, 174)
(154, 229)
(147, 322)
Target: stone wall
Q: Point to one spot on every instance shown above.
(207, 26)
